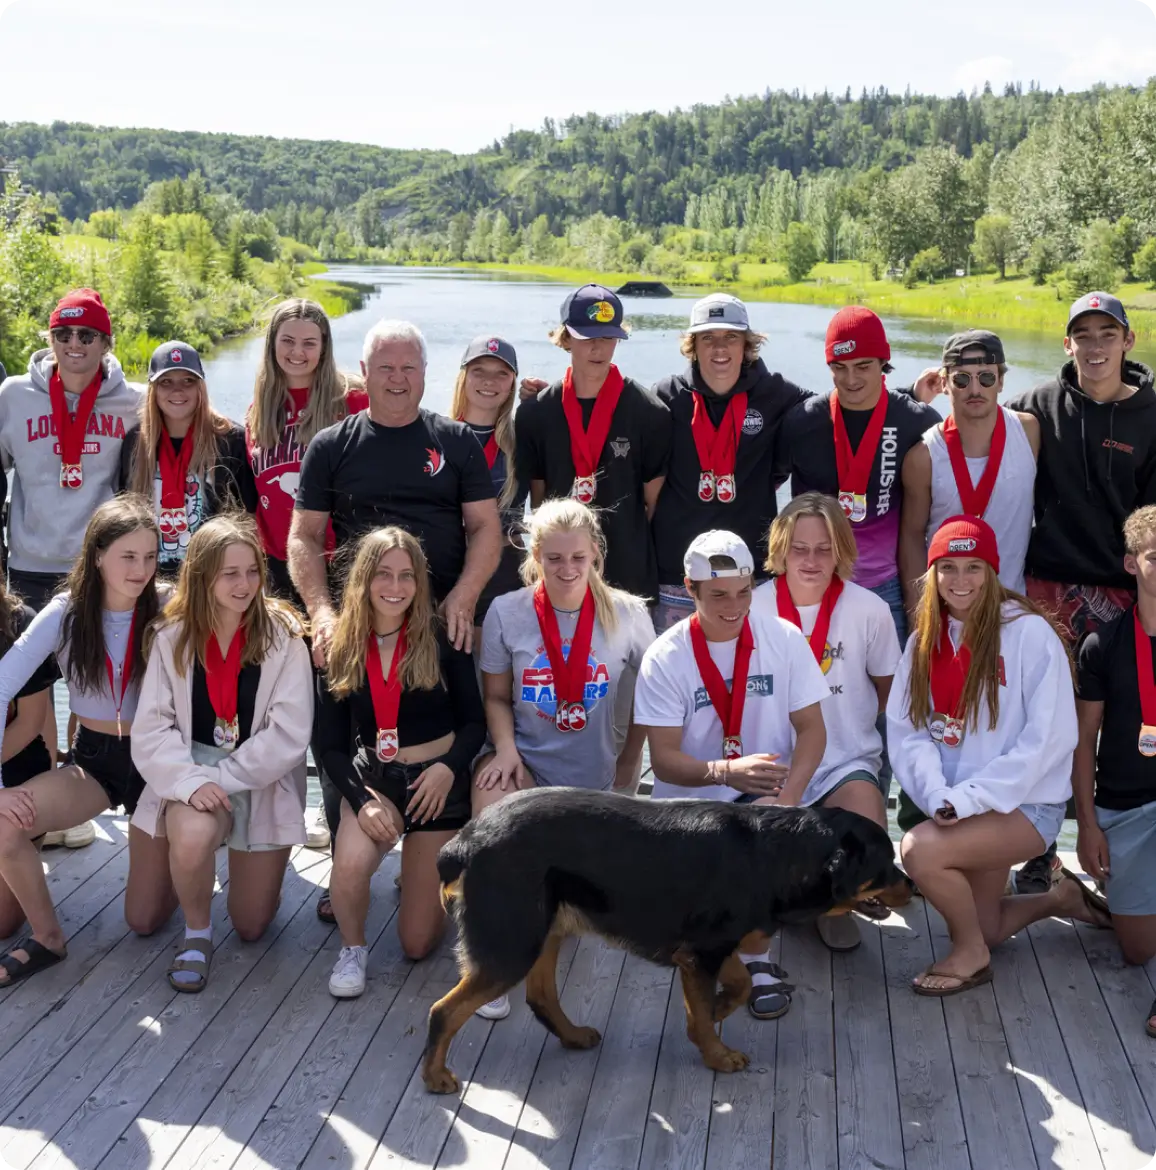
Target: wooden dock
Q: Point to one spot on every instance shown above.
(103, 1066)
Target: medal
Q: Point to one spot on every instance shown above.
(854, 467)
(387, 744)
(570, 716)
(386, 694)
(71, 475)
(584, 489)
(717, 448)
(226, 732)
(952, 732)
(728, 705)
(222, 678)
(567, 671)
(71, 428)
(586, 444)
(175, 484)
(1146, 744)
(706, 486)
(726, 489)
(948, 675)
(173, 522)
(732, 747)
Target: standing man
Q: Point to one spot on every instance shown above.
(726, 409)
(599, 437)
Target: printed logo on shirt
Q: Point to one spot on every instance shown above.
(111, 425)
(287, 481)
(831, 655)
(1116, 445)
(538, 684)
(759, 686)
(888, 462)
(620, 448)
(752, 422)
(174, 536)
(435, 462)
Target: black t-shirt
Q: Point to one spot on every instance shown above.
(418, 477)
(635, 452)
(205, 718)
(32, 759)
(1106, 673)
(680, 515)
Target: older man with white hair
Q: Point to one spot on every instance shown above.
(397, 464)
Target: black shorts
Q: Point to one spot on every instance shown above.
(108, 760)
(30, 761)
(34, 589)
(393, 780)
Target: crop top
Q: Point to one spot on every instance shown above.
(343, 727)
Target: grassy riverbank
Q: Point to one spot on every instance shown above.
(974, 301)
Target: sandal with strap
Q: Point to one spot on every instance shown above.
(874, 909)
(1096, 903)
(39, 958)
(325, 909)
(963, 982)
(768, 1001)
(1149, 1026)
(198, 967)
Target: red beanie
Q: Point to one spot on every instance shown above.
(855, 332)
(964, 536)
(83, 308)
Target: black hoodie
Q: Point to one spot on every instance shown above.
(680, 515)
(1097, 464)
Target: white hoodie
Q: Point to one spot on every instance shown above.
(1027, 759)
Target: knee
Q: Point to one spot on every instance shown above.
(918, 850)
(249, 927)
(193, 842)
(12, 837)
(417, 942)
(1137, 954)
(146, 920)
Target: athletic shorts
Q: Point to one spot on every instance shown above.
(1079, 609)
(1131, 834)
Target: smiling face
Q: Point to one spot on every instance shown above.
(298, 350)
(810, 558)
(78, 352)
(1097, 344)
(719, 354)
(178, 394)
(392, 589)
(489, 384)
(127, 566)
(859, 383)
(566, 558)
(238, 581)
(394, 379)
(961, 582)
(721, 605)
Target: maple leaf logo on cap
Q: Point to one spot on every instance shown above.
(1093, 302)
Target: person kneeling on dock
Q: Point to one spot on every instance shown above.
(981, 727)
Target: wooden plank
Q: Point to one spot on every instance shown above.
(805, 1095)
(67, 869)
(929, 1112)
(1119, 1117)
(866, 1095)
(615, 1118)
(1057, 1121)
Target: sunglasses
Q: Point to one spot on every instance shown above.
(961, 379)
(84, 336)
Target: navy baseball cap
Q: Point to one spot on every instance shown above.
(175, 355)
(1098, 302)
(486, 346)
(959, 343)
(593, 311)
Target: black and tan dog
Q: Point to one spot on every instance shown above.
(678, 882)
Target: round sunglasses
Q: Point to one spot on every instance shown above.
(961, 379)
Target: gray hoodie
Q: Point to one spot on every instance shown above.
(46, 521)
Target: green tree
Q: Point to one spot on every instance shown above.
(459, 232)
(994, 241)
(929, 265)
(501, 238)
(105, 225)
(1097, 266)
(479, 246)
(236, 259)
(143, 288)
(1144, 262)
(1042, 259)
(800, 251)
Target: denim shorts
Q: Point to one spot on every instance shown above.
(1046, 819)
(1131, 833)
(393, 781)
(108, 760)
(859, 774)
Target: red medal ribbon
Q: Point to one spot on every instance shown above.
(125, 671)
(948, 675)
(975, 497)
(386, 693)
(568, 672)
(728, 705)
(222, 674)
(174, 468)
(790, 612)
(718, 449)
(1147, 742)
(491, 448)
(854, 467)
(71, 428)
(586, 445)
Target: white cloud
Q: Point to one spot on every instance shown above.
(974, 74)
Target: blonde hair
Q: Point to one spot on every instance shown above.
(192, 607)
(560, 336)
(204, 429)
(981, 633)
(752, 343)
(420, 669)
(567, 515)
(825, 508)
(327, 390)
(1139, 529)
(503, 429)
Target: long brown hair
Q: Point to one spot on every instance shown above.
(83, 626)
(326, 404)
(192, 608)
(981, 632)
(204, 429)
(503, 429)
(420, 669)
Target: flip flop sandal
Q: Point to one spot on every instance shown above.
(325, 909)
(769, 1000)
(982, 976)
(1097, 903)
(874, 909)
(39, 958)
(839, 932)
(1150, 1027)
(198, 967)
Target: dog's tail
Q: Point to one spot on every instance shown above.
(451, 867)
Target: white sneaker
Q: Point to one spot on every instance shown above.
(496, 1009)
(316, 831)
(348, 978)
(80, 836)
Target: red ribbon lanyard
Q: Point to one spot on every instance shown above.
(717, 449)
(1144, 672)
(568, 672)
(174, 471)
(790, 612)
(222, 677)
(71, 428)
(386, 693)
(728, 705)
(125, 671)
(490, 449)
(586, 445)
(854, 467)
(948, 671)
(975, 498)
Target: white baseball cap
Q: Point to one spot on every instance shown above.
(719, 311)
(717, 543)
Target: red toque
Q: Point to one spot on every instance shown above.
(855, 332)
(84, 309)
(964, 536)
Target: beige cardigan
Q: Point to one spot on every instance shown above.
(270, 764)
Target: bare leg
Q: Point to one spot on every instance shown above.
(542, 996)
(149, 897)
(255, 881)
(482, 798)
(356, 857)
(11, 912)
(421, 920)
(194, 838)
(862, 797)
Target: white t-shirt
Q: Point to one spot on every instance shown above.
(783, 677)
(861, 645)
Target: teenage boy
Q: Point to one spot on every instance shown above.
(599, 437)
(1114, 779)
(730, 701)
(980, 461)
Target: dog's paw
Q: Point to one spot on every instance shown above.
(582, 1038)
(440, 1080)
(726, 1060)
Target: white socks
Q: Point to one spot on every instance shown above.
(192, 956)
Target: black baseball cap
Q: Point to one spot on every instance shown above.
(175, 355)
(593, 311)
(1098, 302)
(958, 344)
(487, 346)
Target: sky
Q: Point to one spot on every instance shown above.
(456, 75)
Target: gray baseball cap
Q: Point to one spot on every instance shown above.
(175, 355)
(488, 346)
(719, 311)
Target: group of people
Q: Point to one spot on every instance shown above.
(526, 592)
